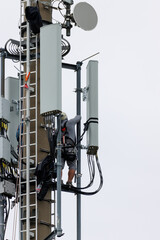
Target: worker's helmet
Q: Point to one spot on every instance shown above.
(63, 116)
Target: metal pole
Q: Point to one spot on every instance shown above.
(2, 72)
(1, 218)
(2, 92)
(79, 150)
(59, 167)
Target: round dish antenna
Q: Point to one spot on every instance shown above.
(85, 16)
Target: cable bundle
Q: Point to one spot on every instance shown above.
(91, 166)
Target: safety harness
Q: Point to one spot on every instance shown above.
(68, 146)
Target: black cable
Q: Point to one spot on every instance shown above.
(14, 154)
(7, 215)
(100, 185)
(60, 9)
(91, 167)
(86, 126)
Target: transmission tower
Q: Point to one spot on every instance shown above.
(36, 111)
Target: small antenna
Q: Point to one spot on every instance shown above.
(90, 57)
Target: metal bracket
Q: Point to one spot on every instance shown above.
(78, 90)
(84, 147)
(27, 119)
(85, 93)
(32, 90)
(79, 175)
(51, 235)
(46, 224)
(16, 102)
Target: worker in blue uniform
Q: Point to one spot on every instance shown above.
(69, 150)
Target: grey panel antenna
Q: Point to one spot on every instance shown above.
(85, 16)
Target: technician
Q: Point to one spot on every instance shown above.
(69, 151)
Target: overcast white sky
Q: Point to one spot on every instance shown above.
(128, 39)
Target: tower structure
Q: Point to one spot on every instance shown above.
(39, 41)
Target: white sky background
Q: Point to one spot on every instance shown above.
(128, 39)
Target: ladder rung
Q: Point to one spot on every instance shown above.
(31, 49)
(33, 205)
(32, 60)
(32, 120)
(30, 37)
(32, 156)
(23, 170)
(31, 144)
(24, 109)
(32, 96)
(32, 193)
(33, 84)
(33, 72)
(22, 146)
(32, 229)
(31, 181)
(24, 194)
(33, 132)
(23, 74)
(32, 217)
(24, 206)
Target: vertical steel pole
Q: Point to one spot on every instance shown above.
(1, 218)
(2, 72)
(79, 150)
(59, 167)
(2, 91)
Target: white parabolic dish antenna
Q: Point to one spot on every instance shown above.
(85, 16)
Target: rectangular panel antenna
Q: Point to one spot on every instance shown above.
(12, 94)
(50, 69)
(92, 107)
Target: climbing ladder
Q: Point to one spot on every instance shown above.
(28, 129)
(28, 206)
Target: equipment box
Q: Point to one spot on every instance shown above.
(4, 109)
(7, 188)
(5, 149)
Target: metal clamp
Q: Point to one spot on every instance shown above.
(85, 93)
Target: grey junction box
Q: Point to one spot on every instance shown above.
(12, 94)
(4, 109)
(50, 69)
(5, 149)
(7, 188)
